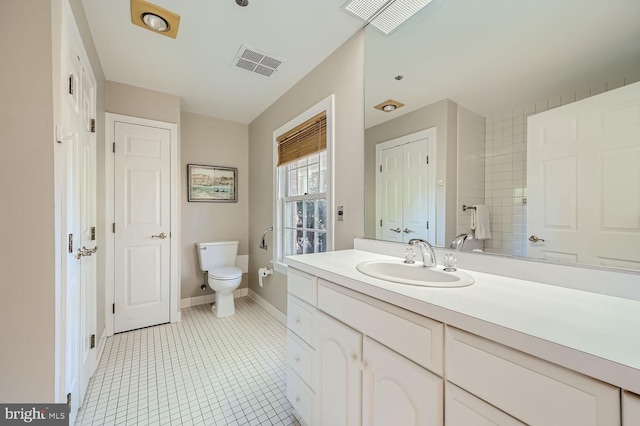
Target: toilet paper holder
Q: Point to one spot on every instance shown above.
(262, 273)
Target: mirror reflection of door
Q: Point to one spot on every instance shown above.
(404, 188)
(584, 181)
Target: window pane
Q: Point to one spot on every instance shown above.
(321, 215)
(322, 186)
(314, 179)
(289, 241)
(309, 242)
(293, 182)
(314, 158)
(321, 242)
(309, 214)
(298, 214)
(302, 181)
(289, 215)
(299, 242)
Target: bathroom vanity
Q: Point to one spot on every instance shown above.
(501, 351)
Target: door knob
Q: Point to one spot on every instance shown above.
(535, 239)
(162, 236)
(79, 254)
(407, 231)
(397, 230)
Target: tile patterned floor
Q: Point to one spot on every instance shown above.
(201, 371)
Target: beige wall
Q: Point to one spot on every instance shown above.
(441, 115)
(340, 74)
(214, 142)
(137, 102)
(27, 286)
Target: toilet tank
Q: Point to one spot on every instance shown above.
(216, 254)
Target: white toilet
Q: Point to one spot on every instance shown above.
(218, 259)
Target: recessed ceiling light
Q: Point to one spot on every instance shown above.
(389, 105)
(155, 22)
(154, 18)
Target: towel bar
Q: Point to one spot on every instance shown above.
(465, 208)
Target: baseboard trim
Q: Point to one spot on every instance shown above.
(101, 344)
(275, 312)
(209, 298)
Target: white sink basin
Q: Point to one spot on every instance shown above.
(414, 274)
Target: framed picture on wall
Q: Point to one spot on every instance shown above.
(212, 183)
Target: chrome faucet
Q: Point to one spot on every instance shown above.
(426, 250)
(458, 241)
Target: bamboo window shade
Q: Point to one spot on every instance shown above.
(303, 140)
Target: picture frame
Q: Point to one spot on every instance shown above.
(212, 184)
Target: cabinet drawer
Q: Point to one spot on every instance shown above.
(530, 389)
(462, 408)
(300, 358)
(630, 409)
(300, 319)
(420, 340)
(300, 397)
(303, 286)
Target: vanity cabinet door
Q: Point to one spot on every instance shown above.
(462, 408)
(397, 391)
(338, 375)
(630, 409)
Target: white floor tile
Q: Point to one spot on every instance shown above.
(202, 371)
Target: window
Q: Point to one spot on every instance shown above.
(303, 182)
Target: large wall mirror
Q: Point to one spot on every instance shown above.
(473, 75)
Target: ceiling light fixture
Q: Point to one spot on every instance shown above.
(154, 18)
(384, 15)
(389, 105)
(155, 22)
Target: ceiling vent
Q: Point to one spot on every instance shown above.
(256, 61)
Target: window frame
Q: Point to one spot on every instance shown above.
(279, 181)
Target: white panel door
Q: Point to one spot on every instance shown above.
(390, 227)
(339, 379)
(398, 392)
(88, 356)
(405, 206)
(80, 213)
(142, 226)
(415, 190)
(584, 181)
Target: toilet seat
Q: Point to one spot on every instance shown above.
(225, 273)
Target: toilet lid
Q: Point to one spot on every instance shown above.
(225, 273)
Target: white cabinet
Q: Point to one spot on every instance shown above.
(630, 409)
(338, 375)
(397, 391)
(301, 313)
(462, 408)
(531, 390)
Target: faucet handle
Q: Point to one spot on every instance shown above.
(449, 261)
(409, 256)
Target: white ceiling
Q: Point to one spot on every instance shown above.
(197, 65)
(493, 55)
(487, 55)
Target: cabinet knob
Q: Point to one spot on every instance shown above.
(297, 321)
(297, 399)
(297, 359)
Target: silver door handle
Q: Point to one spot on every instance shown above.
(397, 230)
(407, 231)
(89, 252)
(535, 239)
(162, 236)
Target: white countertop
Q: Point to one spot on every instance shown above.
(597, 335)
